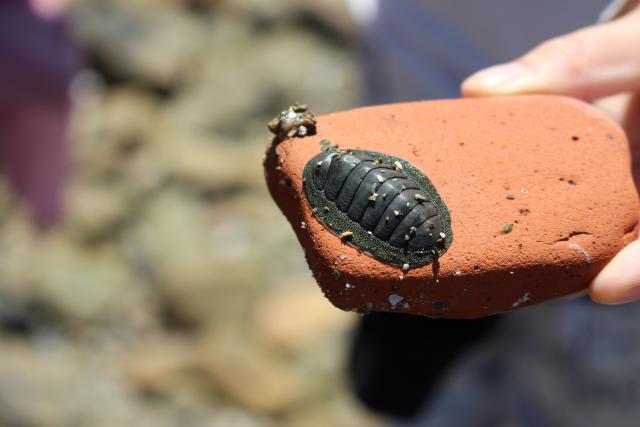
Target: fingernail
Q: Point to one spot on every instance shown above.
(504, 78)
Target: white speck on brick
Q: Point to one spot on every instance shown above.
(524, 298)
(395, 299)
(583, 251)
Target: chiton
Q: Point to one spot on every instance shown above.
(380, 204)
(297, 120)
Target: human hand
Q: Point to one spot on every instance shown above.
(590, 64)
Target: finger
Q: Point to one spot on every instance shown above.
(619, 281)
(631, 124)
(590, 63)
(615, 106)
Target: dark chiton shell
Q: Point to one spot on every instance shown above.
(380, 204)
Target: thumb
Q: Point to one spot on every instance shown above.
(596, 61)
(619, 281)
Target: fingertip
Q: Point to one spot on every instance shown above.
(503, 79)
(470, 87)
(619, 281)
(590, 63)
(605, 296)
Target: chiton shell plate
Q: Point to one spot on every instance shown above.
(380, 204)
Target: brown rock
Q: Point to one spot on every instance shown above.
(18, 241)
(192, 159)
(337, 411)
(87, 286)
(150, 41)
(94, 210)
(158, 363)
(110, 128)
(249, 376)
(539, 190)
(294, 318)
(206, 260)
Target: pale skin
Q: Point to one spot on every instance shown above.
(599, 64)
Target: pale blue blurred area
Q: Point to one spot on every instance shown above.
(416, 49)
(564, 363)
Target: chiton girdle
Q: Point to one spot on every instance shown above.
(375, 219)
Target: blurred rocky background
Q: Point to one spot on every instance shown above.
(173, 292)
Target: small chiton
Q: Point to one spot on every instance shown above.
(297, 120)
(387, 207)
